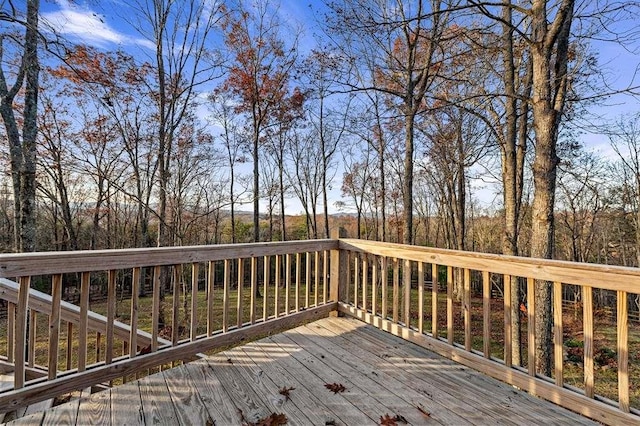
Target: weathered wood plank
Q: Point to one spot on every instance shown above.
(95, 410)
(267, 390)
(458, 385)
(46, 263)
(286, 372)
(126, 405)
(215, 398)
(187, 404)
(608, 277)
(591, 408)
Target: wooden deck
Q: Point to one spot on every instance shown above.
(383, 375)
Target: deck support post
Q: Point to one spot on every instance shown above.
(338, 274)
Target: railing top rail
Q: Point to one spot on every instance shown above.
(44, 263)
(594, 275)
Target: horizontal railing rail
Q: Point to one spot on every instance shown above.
(201, 298)
(462, 305)
(458, 315)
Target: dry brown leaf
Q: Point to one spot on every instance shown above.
(387, 420)
(285, 392)
(335, 387)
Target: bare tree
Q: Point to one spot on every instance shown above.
(401, 43)
(22, 145)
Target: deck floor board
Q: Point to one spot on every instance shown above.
(382, 375)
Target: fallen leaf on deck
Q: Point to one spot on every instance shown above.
(285, 392)
(272, 419)
(335, 387)
(145, 350)
(387, 420)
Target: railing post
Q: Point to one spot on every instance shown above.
(338, 275)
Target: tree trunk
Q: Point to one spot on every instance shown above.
(408, 178)
(548, 103)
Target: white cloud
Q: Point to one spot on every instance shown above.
(87, 26)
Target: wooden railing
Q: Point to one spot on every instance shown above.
(458, 304)
(442, 300)
(206, 297)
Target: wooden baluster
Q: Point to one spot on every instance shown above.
(195, 274)
(85, 286)
(623, 351)
(450, 305)
(225, 297)
(420, 297)
(135, 291)
(531, 325)
(587, 317)
(125, 351)
(11, 330)
(356, 278)
(254, 288)
(211, 280)
(307, 278)
(69, 345)
(406, 283)
(155, 307)
(385, 284)
(265, 293)
(239, 300)
(347, 295)
(54, 325)
(111, 313)
(21, 332)
(467, 308)
(325, 276)
(33, 329)
(298, 264)
(486, 314)
(374, 286)
(98, 346)
(396, 289)
(287, 283)
(276, 290)
(558, 340)
(316, 278)
(175, 313)
(507, 321)
(365, 281)
(339, 285)
(434, 300)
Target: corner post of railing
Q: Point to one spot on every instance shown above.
(338, 274)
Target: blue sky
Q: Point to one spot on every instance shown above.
(103, 24)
